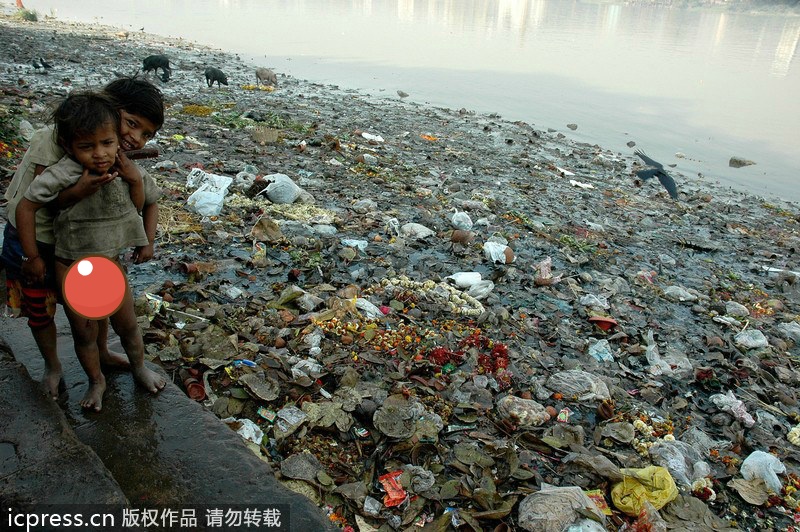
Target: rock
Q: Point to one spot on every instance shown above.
(751, 339)
(738, 162)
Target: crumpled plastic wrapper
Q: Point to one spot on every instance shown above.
(554, 508)
(525, 413)
(651, 484)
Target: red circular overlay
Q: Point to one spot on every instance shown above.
(94, 287)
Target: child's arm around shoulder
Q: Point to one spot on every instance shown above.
(132, 173)
(41, 191)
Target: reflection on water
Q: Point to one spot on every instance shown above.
(705, 83)
(787, 48)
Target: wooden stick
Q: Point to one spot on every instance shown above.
(144, 153)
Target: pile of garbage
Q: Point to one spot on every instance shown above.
(432, 318)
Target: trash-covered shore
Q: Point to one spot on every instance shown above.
(430, 318)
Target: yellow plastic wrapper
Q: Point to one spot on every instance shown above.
(651, 484)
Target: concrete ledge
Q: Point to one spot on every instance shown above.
(41, 459)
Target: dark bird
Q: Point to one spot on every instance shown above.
(657, 171)
(45, 63)
(36, 65)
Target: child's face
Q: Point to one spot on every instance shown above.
(98, 150)
(135, 131)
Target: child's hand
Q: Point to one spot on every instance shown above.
(90, 183)
(143, 254)
(128, 171)
(33, 270)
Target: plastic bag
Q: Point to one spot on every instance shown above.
(729, 403)
(198, 177)
(461, 220)
(368, 309)
(526, 413)
(246, 429)
(498, 253)
(650, 520)
(764, 466)
(481, 290)
(580, 385)
(651, 484)
(415, 230)
(281, 189)
(554, 508)
(209, 197)
(206, 201)
(465, 279)
(601, 351)
(684, 462)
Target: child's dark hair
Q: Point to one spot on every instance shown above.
(138, 96)
(81, 114)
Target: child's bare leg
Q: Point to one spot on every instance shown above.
(109, 359)
(45, 338)
(84, 336)
(125, 325)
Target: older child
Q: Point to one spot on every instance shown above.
(105, 223)
(142, 114)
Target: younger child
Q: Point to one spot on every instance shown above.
(105, 223)
(142, 114)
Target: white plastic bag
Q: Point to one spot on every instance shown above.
(205, 201)
(281, 189)
(729, 403)
(209, 197)
(764, 466)
(246, 429)
(465, 279)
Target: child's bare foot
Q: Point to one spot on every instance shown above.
(93, 400)
(113, 361)
(149, 379)
(53, 383)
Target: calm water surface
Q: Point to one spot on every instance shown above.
(706, 84)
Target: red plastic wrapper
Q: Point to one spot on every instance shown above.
(395, 494)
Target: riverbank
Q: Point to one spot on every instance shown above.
(341, 331)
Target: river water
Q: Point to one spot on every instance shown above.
(705, 84)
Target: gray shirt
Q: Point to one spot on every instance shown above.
(105, 223)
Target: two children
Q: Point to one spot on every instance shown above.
(86, 203)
